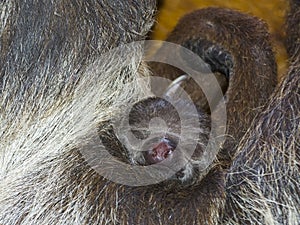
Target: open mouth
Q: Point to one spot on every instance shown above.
(159, 151)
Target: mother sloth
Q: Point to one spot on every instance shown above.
(53, 75)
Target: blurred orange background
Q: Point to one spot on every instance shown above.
(272, 11)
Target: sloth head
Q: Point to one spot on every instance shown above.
(168, 131)
(169, 139)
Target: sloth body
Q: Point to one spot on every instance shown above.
(54, 75)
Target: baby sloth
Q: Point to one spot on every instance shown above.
(185, 141)
(169, 131)
(174, 134)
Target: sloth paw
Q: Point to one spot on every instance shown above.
(218, 59)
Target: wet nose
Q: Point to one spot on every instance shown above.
(159, 152)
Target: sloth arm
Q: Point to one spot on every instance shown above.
(264, 177)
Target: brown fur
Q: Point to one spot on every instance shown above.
(263, 183)
(52, 77)
(246, 39)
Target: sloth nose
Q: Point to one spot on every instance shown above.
(159, 152)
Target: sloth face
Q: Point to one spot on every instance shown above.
(167, 139)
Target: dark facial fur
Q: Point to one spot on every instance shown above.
(163, 144)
